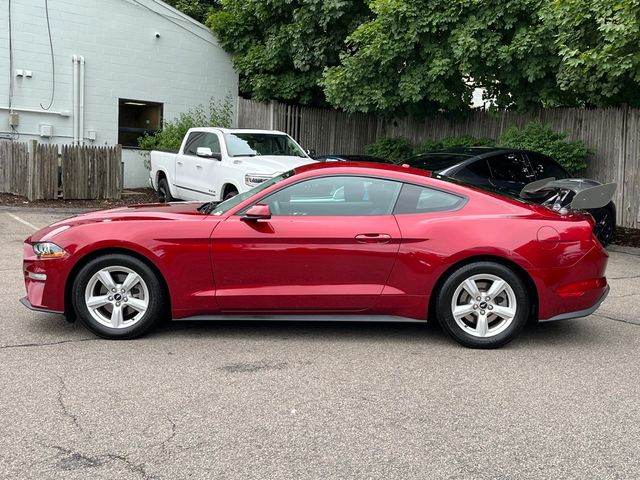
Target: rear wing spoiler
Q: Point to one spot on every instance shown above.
(584, 194)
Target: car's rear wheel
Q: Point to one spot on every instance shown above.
(483, 305)
(164, 194)
(118, 297)
(605, 227)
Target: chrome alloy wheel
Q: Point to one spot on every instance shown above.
(117, 297)
(484, 305)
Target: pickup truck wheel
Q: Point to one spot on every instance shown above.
(231, 193)
(164, 194)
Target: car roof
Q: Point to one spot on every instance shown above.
(476, 152)
(237, 130)
(373, 167)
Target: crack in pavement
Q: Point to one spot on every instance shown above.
(46, 344)
(615, 319)
(63, 406)
(623, 278)
(75, 460)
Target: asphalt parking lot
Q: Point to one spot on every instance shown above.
(318, 401)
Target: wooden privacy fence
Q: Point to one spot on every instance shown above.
(40, 172)
(91, 172)
(613, 135)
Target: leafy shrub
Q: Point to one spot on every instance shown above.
(219, 114)
(394, 149)
(541, 138)
(429, 145)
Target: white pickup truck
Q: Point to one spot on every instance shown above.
(214, 164)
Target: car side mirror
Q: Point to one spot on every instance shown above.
(311, 153)
(205, 152)
(259, 211)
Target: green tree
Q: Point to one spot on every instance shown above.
(428, 55)
(281, 47)
(599, 49)
(197, 9)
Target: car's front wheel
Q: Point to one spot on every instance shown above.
(483, 305)
(118, 297)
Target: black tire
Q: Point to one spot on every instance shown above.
(517, 294)
(230, 193)
(155, 297)
(164, 194)
(605, 227)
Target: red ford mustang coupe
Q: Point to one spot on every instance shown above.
(333, 241)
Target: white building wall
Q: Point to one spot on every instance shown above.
(183, 68)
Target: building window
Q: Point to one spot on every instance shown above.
(135, 118)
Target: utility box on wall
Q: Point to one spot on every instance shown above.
(46, 131)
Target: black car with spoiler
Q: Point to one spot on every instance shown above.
(510, 171)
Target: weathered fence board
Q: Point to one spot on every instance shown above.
(32, 170)
(91, 172)
(612, 135)
(29, 170)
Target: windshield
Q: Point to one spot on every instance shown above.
(436, 161)
(253, 144)
(227, 205)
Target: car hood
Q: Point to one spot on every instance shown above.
(144, 212)
(270, 164)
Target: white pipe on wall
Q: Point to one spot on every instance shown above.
(35, 110)
(76, 108)
(81, 103)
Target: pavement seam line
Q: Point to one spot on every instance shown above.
(31, 345)
(21, 220)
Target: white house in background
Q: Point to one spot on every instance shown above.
(121, 66)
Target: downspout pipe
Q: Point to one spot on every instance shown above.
(81, 103)
(76, 107)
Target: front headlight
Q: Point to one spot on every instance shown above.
(48, 250)
(253, 179)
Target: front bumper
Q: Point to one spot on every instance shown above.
(44, 294)
(25, 301)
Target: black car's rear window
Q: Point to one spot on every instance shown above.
(437, 161)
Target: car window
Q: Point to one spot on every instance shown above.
(201, 139)
(545, 167)
(335, 196)
(475, 170)
(510, 167)
(417, 199)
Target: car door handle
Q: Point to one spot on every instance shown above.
(198, 165)
(179, 162)
(373, 238)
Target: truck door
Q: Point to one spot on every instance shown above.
(196, 176)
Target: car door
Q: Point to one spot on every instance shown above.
(195, 176)
(329, 245)
(510, 172)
